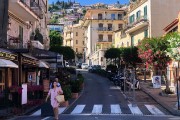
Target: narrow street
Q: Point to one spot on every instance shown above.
(101, 100)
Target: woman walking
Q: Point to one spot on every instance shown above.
(53, 92)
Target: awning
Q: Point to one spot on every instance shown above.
(43, 64)
(7, 63)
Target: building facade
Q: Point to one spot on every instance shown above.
(147, 18)
(100, 25)
(28, 27)
(74, 37)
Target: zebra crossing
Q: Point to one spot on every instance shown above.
(114, 109)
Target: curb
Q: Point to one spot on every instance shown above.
(163, 104)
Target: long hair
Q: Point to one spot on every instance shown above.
(53, 84)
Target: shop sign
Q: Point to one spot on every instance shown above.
(8, 56)
(31, 76)
(29, 61)
(156, 81)
(24, 94)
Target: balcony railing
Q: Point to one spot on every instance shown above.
(34, 7)
(100, 40)
(18, 45)
(138, 20)
(105, 29)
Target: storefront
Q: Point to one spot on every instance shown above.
(8, 72)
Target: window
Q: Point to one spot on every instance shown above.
(112, 16)
(138, 14)
(145, 33)
(100, 16)
(76, 49)
(109, 27)
(120, 26)
(122, 45)
(76, 33)
(100, 38)
(132, 40)
(131, 18)
(83, 42)
(119, 16)
(109, 38)
(21, 34)
(76, 41)
(127, 44)
(100, 26)
(145, 11)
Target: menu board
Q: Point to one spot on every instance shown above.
(24, 94)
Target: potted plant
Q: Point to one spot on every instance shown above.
(75, 88)
(67, 95)
(81, 80)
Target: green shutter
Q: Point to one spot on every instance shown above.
(145, 11)
(132, 40)
(145, 33)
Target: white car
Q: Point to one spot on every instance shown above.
(84, 66)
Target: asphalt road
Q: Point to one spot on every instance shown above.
(101, 100)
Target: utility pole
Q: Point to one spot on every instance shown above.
(3, 22)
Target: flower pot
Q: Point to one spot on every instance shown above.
(64, 104)
(82, 86)
(75, 95)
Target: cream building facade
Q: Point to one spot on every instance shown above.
(25, 17)
(100, 25)
(147, 18)
(74, 37)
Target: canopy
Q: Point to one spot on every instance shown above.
(7, 63)
(43, 64)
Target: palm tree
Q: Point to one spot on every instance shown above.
(3, 22)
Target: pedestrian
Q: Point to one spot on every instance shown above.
(53, 92)
(58, 84)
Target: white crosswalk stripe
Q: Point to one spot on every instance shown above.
(97, 109)
(78, 109)
(135, 109)
(115, 109)
(154, 110)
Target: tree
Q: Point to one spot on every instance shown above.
(130, 56)
(173, 49)
(152, 52)
(55, 38)
(112, 53)
(67, 52)
(3, 22)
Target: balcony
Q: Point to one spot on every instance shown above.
(25, 10)
(104, 41)
(101, 29)
(139, 23)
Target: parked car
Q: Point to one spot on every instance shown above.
(84, 66)
(93, 68)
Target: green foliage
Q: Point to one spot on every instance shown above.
(55, 38)
(173, 49)
(67, 92)
(112, 53)
(130, 55)
(67, 52)
(152, 52)
(38, 36)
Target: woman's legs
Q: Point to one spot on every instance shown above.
(56, 113)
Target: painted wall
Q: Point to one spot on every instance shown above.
(179, 22)
(163, 12)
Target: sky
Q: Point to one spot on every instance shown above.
(89, 2)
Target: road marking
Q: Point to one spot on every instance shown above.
(135, 109)
(45, 118)
(78, 109)
(97, 109)
(154, 110)
(36, 113)
(61, 109)
(115, 109)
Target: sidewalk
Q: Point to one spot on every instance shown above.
(168, 102)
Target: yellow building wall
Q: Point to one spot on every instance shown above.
(119, 41)
(138, 37)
